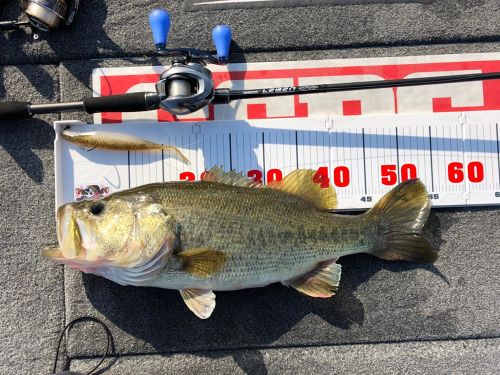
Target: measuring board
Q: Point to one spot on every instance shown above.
(456, 155)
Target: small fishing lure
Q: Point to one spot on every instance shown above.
(107, 140)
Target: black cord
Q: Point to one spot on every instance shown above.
(71, 324)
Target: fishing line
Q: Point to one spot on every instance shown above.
(109, 344)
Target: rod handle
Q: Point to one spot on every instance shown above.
(132, 102)
(14, 111)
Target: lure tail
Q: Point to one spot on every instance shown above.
(400, 216)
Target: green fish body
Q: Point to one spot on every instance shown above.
(227, 233)
(266, 235)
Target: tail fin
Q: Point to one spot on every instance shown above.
(400, 216)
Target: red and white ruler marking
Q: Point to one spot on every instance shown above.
(457, 155)
(455, 97)
(365, 142)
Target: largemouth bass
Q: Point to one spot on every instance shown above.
(227, 232)
(107, 140)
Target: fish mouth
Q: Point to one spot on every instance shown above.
(55, 254)
(64, 214)
(68, 234)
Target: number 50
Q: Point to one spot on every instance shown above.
(390, 175)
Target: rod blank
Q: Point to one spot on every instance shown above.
(225, 96)
(40, 109)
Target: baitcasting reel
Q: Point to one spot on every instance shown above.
(44, 15)
(187, 85)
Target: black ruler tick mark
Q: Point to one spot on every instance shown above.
(162, 165)
(498, 154)
(230, 153)
(263, 159)
(297, 149)
(430, 150)
(128, 161)
(397, 157)
(364, 158)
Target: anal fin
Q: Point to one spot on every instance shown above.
(321, 282)
(200, 301)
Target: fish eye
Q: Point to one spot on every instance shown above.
(96, 208)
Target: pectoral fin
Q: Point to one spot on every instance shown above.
(322, 282)
(202, 262)
(200, 302)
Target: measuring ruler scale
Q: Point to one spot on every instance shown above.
(456, 155)
(364, 157)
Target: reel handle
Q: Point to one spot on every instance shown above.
(159, 21)
(221, 35)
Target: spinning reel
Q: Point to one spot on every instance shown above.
(44, 15)
(187, 85)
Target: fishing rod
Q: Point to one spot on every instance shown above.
(187, 85)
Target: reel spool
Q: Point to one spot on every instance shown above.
(45, 15)
(185, 87)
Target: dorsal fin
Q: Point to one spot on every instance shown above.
(217, 174)
(301, 182)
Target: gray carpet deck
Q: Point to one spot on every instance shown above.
(119, 28)
(32, 298)
(378, 301)
(431, 357)
(388, 317)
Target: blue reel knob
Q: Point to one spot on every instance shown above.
(159, 21)
(221, 36)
